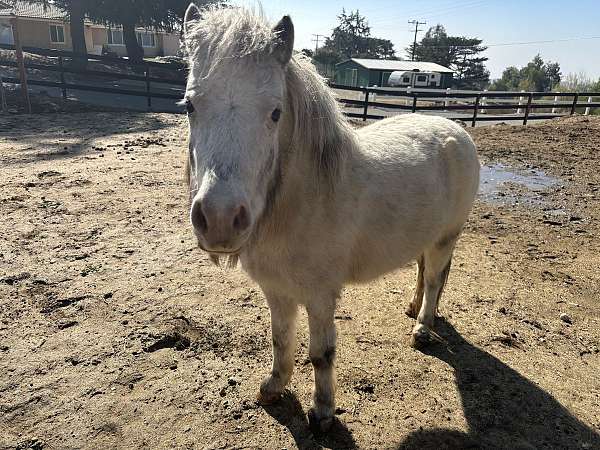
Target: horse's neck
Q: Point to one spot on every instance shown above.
(307, 179)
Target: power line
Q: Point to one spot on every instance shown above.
(416, 23)
(430, 12)
(507, 44)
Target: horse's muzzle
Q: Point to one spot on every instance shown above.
(220, 229)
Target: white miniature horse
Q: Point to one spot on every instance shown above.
(280, 180)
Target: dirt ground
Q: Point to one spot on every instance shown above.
(116, 332)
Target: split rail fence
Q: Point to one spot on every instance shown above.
(468, 106)
(61, 63)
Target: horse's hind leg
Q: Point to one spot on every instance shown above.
(437, 266)
(413, 308)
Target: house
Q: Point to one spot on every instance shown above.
(376, 72)
(48, 27)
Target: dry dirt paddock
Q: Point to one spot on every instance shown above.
(116, 332)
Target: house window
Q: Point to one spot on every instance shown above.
(406, 79)
(6, 34)
(422, 78)
(115, 37)
(57, 34)
(146, 39)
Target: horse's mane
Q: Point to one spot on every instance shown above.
(318, 120)
(224, 34)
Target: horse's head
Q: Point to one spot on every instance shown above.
(235, 101)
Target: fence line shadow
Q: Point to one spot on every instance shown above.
(502, 408)
(45, 136)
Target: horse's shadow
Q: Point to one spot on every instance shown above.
(289, 413)
(502, 408)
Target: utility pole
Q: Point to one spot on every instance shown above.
(316, 41)
(416, 23)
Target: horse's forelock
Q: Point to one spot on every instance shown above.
(224, 34)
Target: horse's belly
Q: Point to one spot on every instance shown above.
(373, 257)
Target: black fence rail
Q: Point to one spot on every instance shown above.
(476, 104)
(64, 62)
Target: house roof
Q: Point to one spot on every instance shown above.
(32, 10)
(404, 66)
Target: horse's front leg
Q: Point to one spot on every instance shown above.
(322, 354)
(283, 329)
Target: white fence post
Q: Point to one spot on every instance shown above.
(408, 101)
(374, 95)
(447, 100)
(555, 100)
(483, 103)
(520, 103)
(587, 110)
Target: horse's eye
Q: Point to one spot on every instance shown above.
(189, 106)
(276, 114)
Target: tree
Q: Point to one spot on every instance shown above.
(352, 38)
(578, 82)
(537, 75)
(459, 53)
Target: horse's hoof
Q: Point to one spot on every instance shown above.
(319, 425)
(267, 395)
(421, 337)
(267, 398)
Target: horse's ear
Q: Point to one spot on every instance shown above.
(192, 14)
(284, 40)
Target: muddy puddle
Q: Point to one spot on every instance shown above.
(505, 185)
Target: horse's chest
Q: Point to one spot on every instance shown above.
(271, 271)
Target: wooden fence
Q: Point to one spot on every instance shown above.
(372, 103)
(59, 62)
(476, 104)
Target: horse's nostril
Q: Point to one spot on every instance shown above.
(241, 221)
(198, 219)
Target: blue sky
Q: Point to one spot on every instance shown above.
(494, 21)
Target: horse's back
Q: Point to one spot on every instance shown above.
(421, 152)
(416, 178)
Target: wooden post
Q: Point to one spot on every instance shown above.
(2, 97)
(527, 108)
(520, 103)
(587, 110)
(574, 105)
(366, 107)
(555, 100)
(414, 105)
(483, 102)
(21, 65)
(149, 97)
(62, 78)
(475, 109)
